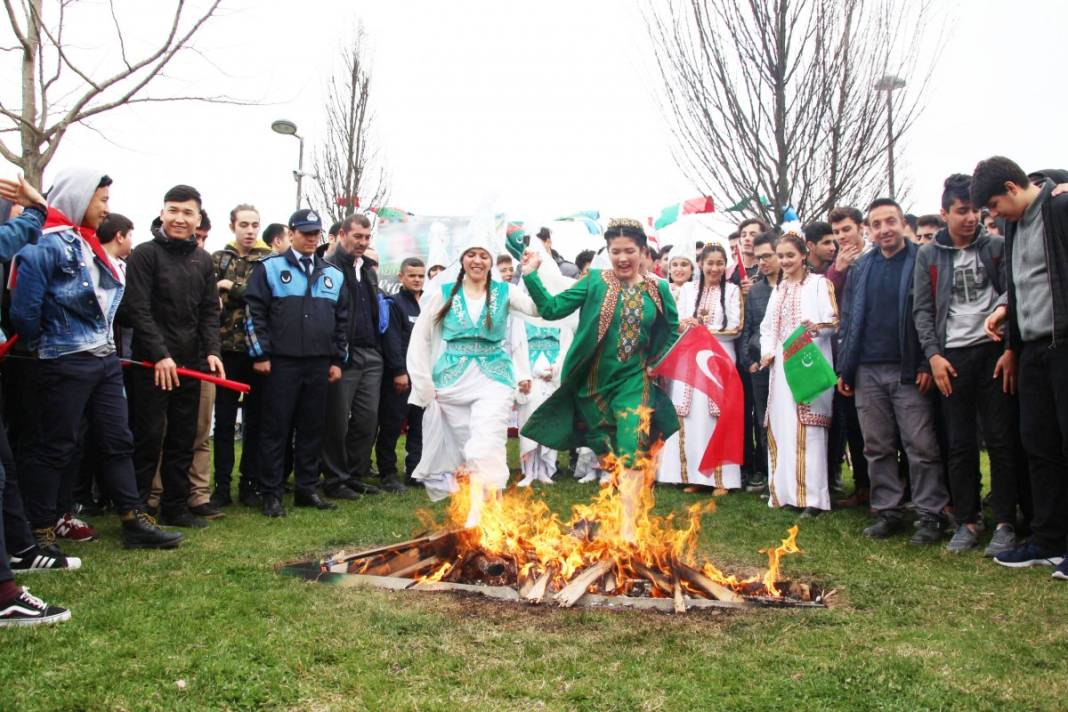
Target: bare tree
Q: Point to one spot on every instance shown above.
(347, 167)
(65, 83)
(774, 102)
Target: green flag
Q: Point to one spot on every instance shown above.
(807, 371)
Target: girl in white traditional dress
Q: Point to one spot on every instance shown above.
(462, 375)
(797, 433)
(680, 273)
(546, 347)
(715, 304)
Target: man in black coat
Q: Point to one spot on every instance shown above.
(172, 303)
(394, 409)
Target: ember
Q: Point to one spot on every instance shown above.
(523, 551)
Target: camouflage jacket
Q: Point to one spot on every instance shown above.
(232, 266)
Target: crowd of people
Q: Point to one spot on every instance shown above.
(943, 331)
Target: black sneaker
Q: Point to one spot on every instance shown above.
(39, 558)
(272, 507)
(341, 492)
(221, 498)
(250, 499)
(884, 527)
(141, 532)
(207, 511)
(811, 512)
(362, 486)
(393, 485)
(929, 532)
(26, 609)
(184, 519)
(758, 484)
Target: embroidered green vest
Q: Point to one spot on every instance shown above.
(543, 340)
(468, 343)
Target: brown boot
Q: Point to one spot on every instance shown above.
(859, 498)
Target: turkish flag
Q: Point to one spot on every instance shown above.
(698, 359)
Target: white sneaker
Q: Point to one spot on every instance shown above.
(525, 482)
(592, 477)
(545, 479)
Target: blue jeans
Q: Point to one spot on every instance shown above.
(69, 387)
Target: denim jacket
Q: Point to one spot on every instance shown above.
(54, 306)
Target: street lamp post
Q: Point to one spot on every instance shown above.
(889, 83)
(288, 128)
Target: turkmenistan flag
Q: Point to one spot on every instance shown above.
(688, 207)
(807, 371)
(515, 239)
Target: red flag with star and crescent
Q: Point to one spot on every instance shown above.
(699, 360)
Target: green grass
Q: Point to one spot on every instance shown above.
(911, 629)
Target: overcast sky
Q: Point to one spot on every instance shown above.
(547, 108)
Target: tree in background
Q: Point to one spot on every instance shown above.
(68, 77)
(774, 103)
(348, 172)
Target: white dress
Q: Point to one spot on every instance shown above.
(546, 348)
(698, 415)
(465, 423)
(797, 434)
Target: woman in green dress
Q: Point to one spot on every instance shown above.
(607, 401)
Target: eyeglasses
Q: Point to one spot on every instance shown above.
(764, 257)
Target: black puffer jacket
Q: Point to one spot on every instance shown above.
(172, 302)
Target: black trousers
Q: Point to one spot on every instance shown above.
(15, 533)
(393, 410)
(975, 390)
(294, 397)
(845, 430)
(238, 368)
(67, 389)
(761, 384)
(1043, 391)
(750, 426)
(164, 424)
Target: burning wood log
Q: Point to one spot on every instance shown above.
(407, 571)
(706, 585)
(490, 566)
(659, 580)
(680, 601)
(575, 588)
(394, 564)
(537, 591)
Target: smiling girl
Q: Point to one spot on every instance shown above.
(607, 400)
(461, 373)
(797, 433)
(714, 304)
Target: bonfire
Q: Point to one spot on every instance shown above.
(524, 551)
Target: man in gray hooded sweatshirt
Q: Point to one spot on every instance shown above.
(66, 294)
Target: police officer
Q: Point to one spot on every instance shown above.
(298, 321)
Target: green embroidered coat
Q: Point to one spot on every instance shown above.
(606, 400)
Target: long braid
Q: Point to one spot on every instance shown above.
(489, 315)
(723, 297)
(452, 294)
(700, 292)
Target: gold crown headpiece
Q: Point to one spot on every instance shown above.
(619, 223)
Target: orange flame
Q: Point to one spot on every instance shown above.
(517, 527)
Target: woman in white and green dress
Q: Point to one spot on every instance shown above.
(797, 433)
(546, 347)
(715, 304)
(462, 375)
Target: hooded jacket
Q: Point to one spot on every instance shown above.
(230, 264)
(1055, 225)
(172, 302)
(932, 287)
(54, 305)
(852, 326)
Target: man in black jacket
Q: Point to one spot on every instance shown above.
(352, 402)
(756, 304)
(172, 303)
(297, 324)
(1036, 309)
(394, 409)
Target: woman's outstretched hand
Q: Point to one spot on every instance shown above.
(531, 261)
